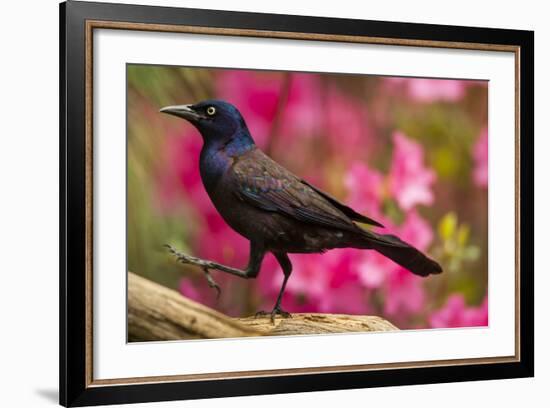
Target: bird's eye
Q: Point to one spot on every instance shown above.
(210, 111)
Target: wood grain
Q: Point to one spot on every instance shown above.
(317, 323)
(157, 313)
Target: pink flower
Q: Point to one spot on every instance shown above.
(346, 124)
(374, 269)
(410, 181)
(315, 274)
(322, 283)
(300, 116)
(455, 313)
(404, 290)
(428, 90)
(416, 231)
(365, 188)
(404, 294)
(199, 291)
(431, 90)
(349, 298)
(481, 157)
(270, 283)
(309, 277)
(217, 241)
(188, 289)
(305, 111)
(256, 95)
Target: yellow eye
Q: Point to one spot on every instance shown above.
(210, 110)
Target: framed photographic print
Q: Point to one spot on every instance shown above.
(255, 203)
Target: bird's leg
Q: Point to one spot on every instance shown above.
(286, 265)
(257, 254)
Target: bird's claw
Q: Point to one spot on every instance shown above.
(212, 283)
(276, 311)
(187, 259)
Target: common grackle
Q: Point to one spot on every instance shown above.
(275, 210)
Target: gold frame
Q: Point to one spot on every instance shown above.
(99, 24)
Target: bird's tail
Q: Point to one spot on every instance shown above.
(403, 254)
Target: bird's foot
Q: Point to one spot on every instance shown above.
(205, 265)
(212, 283)
(277, 310)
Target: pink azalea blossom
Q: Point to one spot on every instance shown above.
(428, 90)
(323, 282)
(255, 95)
(481, 158)
(416, 231)
(410, 181)
(217, 241)
(308, 277)
(346, 124)
(404, 294)
(315, 274)
(349, 298)
(188, 289)
(365, 188)
(404, 290)
(374, 269)
(320, 283)
(455, 313)
(306, 111)
(258, 98)
(303, 107)
(431, 90)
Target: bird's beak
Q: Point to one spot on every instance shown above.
(182, 111)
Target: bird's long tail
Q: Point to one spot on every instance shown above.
(403, 254)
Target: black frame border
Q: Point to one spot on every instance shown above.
(72, 123)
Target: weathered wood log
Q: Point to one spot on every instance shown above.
(317, 323)
(159, 313)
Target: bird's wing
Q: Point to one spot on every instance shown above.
(267, 185)
(350, 212)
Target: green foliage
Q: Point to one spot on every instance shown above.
(455, 249)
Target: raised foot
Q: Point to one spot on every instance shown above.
(276, 311)
(187, 259)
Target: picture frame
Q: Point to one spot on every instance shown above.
(78, 162)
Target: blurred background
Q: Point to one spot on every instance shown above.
(408, 152)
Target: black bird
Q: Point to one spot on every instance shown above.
(275, 210)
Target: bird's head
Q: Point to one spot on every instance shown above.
(217, 121)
